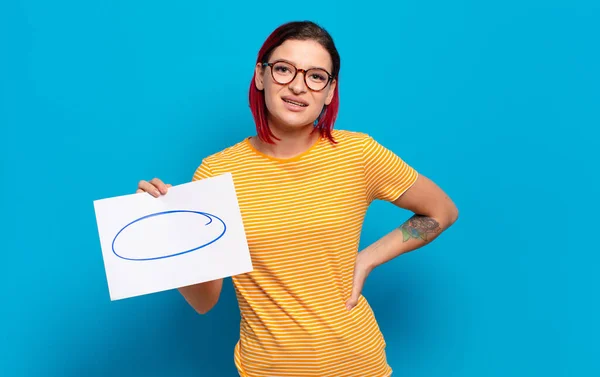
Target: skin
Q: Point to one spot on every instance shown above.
(434, 210)
(293, 128)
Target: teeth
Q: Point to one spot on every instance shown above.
(294, 103)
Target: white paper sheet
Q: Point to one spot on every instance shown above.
(192, 234)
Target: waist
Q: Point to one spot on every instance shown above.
(317, 342)
(312, 359)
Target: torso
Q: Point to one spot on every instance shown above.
(302, 218)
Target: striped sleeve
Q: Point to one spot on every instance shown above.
(203, 171)
(387, 175)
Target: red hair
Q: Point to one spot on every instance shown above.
(301, 30)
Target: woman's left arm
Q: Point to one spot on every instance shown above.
(434, 212)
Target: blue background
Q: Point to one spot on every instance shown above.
(497, 102)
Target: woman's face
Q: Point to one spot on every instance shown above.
(304, 55)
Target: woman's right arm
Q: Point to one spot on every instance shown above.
(202, 296)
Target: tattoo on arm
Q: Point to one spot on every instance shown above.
(420, 227)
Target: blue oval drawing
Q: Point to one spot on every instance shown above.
(205, 214)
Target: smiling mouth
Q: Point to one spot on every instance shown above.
(295, 103)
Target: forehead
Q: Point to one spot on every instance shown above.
(304, 54)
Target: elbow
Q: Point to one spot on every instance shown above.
(202, 311)
(447, 216)
(199, 301)
(206, 307)
(452, 215)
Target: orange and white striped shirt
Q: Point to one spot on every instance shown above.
(303, 217)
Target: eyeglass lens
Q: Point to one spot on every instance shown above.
(315, 78)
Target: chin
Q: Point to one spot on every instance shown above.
(294, 121)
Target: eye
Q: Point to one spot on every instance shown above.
(318, 76)
(283, 69)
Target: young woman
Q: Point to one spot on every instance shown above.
(303, 190)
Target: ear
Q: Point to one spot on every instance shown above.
(331, 92)
(258, 76)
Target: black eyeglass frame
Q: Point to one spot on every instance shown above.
(329, 76)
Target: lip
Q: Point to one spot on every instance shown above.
(291, 107)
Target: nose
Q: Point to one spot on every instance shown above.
(298, 85)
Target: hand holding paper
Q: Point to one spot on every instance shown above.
(192, 234)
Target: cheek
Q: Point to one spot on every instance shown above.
(275, 105)
(271, 97)
(317, 105)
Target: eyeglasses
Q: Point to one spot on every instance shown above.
(316, 79)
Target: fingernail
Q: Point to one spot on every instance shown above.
(157, 193)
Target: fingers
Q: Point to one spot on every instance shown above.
(159, 185)
(353, 300)
(357, 286)
(155, 187)
(149, 188)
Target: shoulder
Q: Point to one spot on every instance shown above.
(226, 160)
(229, 155)
(359, 141)
(351, 138)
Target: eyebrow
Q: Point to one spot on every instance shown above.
(294, 64)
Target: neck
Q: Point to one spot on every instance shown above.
(291, 143)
